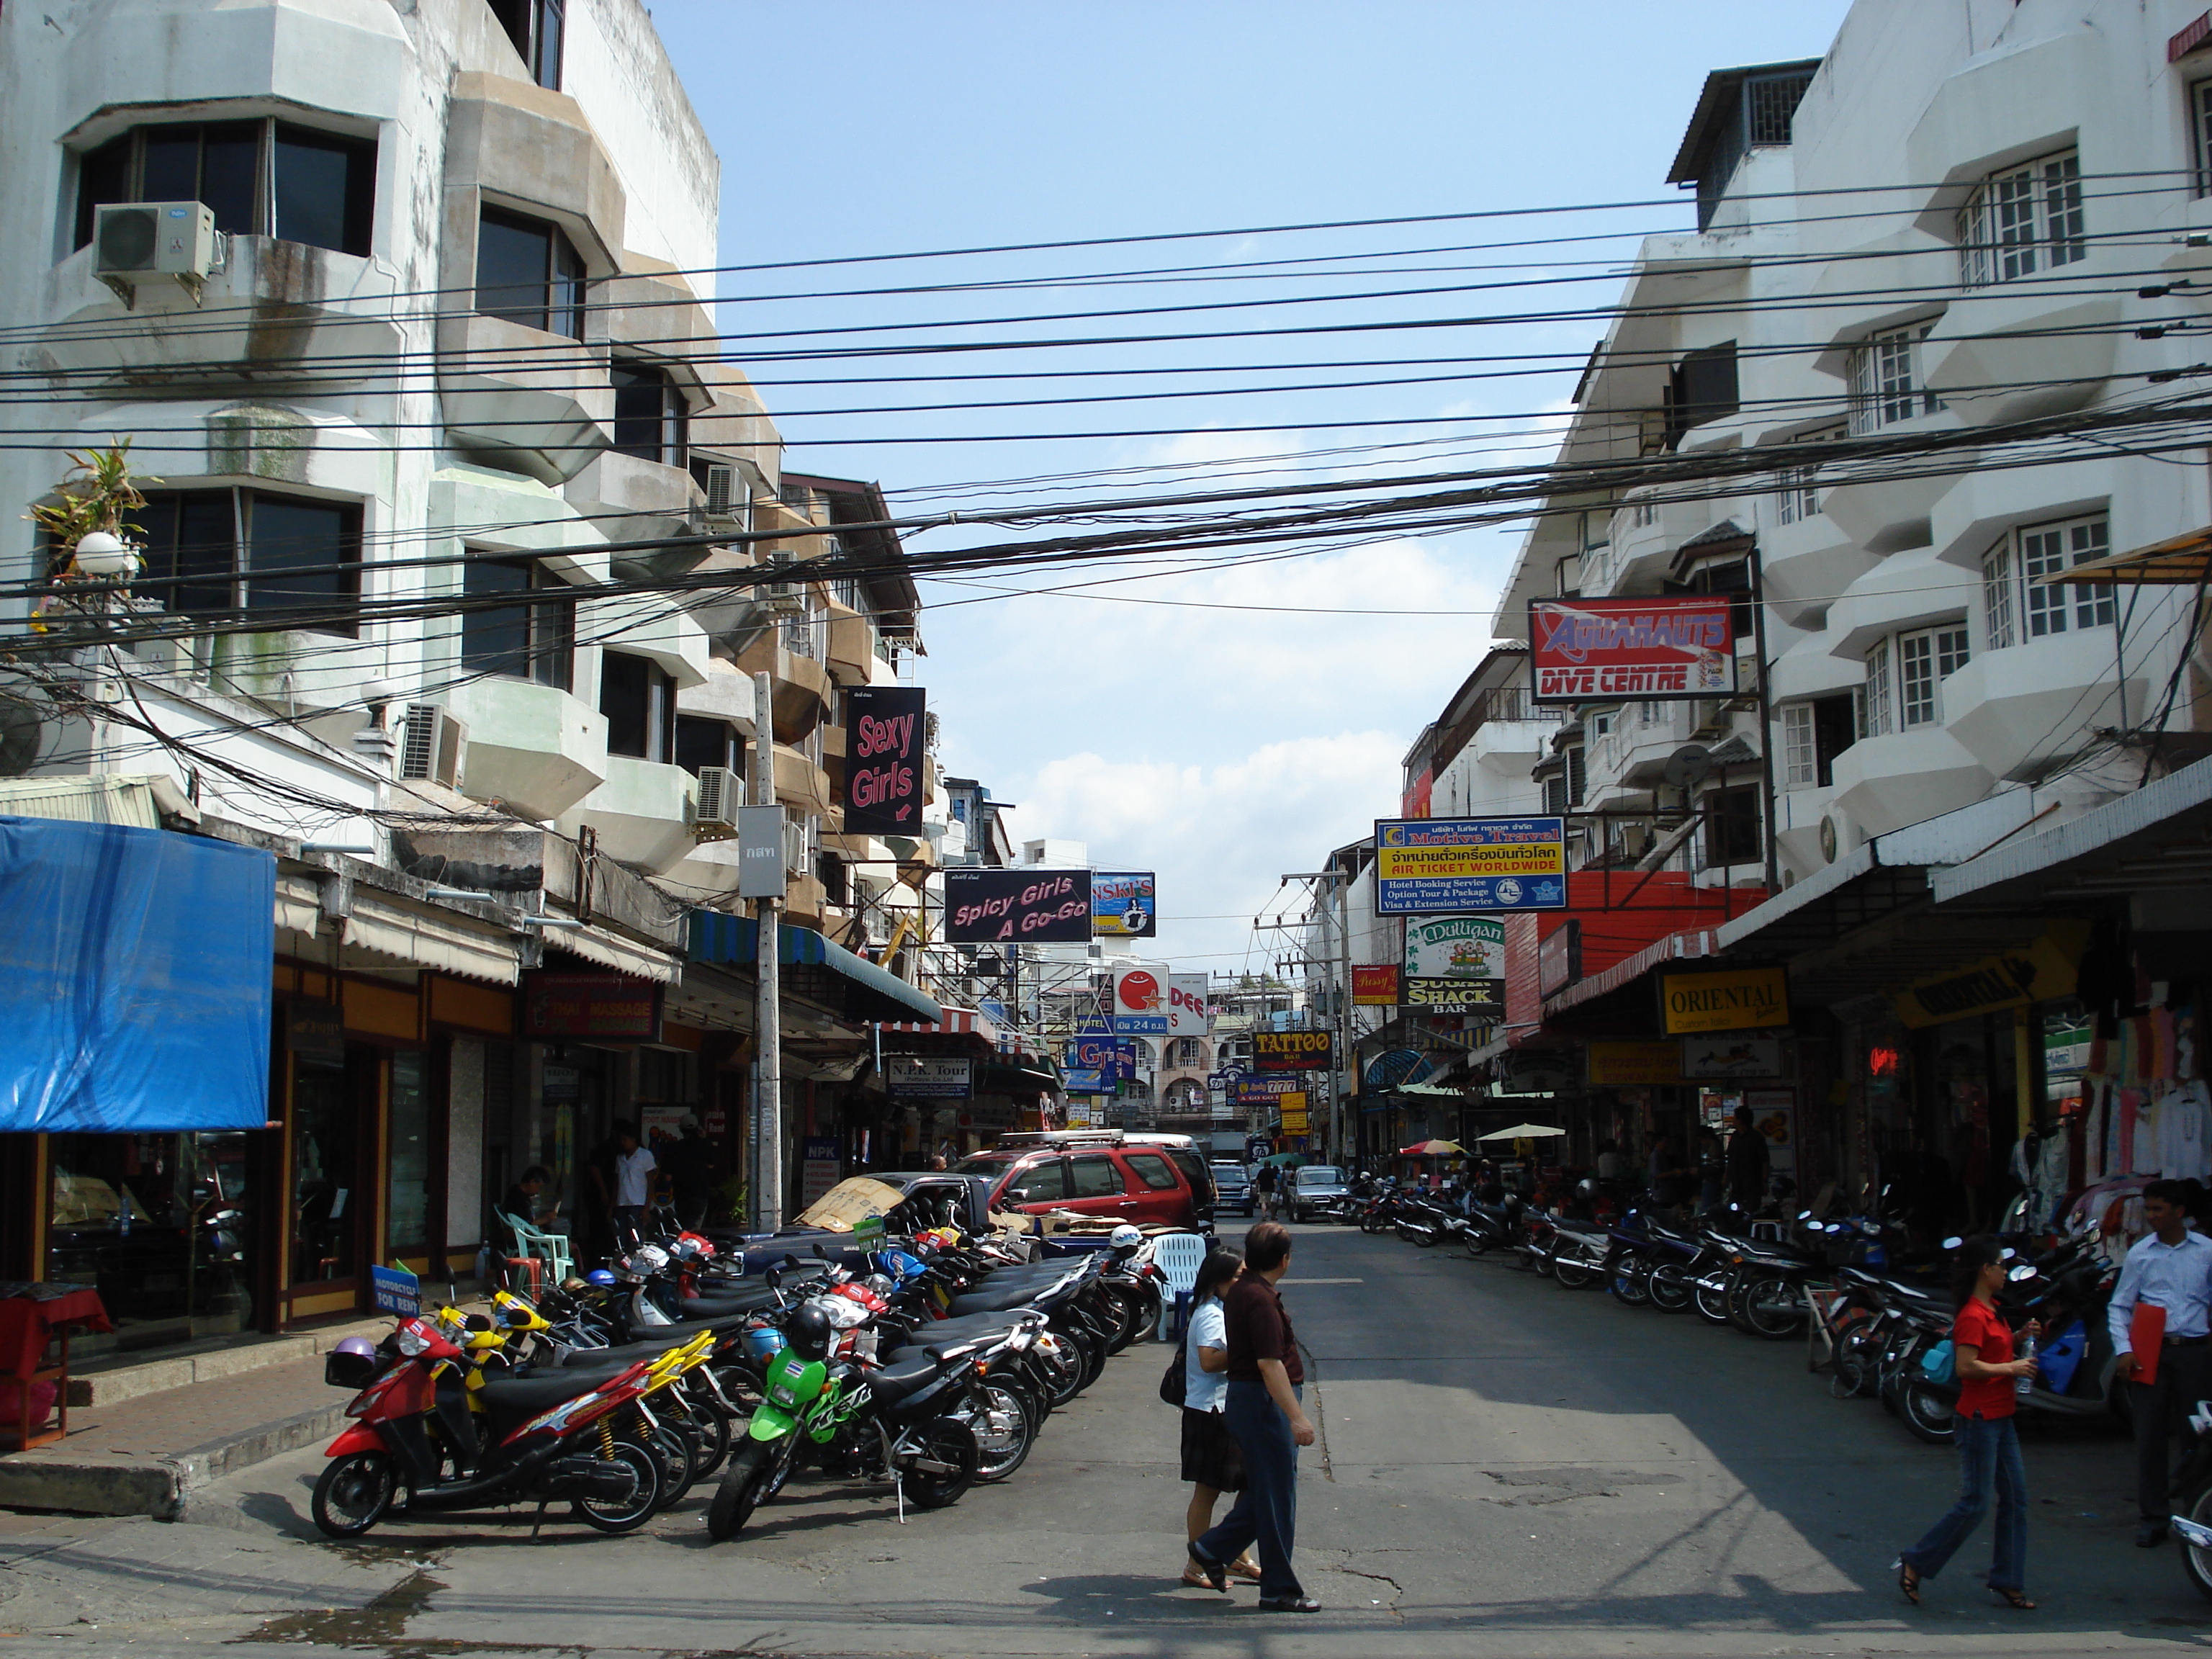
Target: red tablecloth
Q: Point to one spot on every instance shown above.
(29, 1318)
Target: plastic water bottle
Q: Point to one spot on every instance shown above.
(2024, 1386)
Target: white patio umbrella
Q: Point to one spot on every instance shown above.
(1522, 1132)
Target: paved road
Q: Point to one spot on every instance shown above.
(1506, 1468)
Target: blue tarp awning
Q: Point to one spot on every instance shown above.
(135, 969)
(870, 992)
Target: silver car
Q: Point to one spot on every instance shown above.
(1316, 1189)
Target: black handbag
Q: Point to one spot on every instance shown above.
(1175, 1384)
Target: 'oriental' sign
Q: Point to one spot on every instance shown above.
(1657, 649)
(884, 760)
(1292, 1051)
(1723, 1000)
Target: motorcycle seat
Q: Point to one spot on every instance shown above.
(613, 1360)
(902, 1377)
(967, 1329)
(986, 1301)
(525, 1397)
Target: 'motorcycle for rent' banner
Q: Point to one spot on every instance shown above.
(1655, 650)
(1050, 907)
(884, 760)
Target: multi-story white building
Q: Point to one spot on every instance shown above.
(403, 312)
(1964, 216)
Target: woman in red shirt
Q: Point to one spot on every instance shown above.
(1989, 1445)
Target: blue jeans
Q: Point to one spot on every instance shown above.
(1989, 1456)
(1267, 1508)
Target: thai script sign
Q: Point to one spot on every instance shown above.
(1453, 864)
(1139, 1003)
(1188, 1014)
(1580, 650)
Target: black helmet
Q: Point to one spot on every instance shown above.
(809, 1332)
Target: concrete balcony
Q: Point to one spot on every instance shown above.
(726, 613)
(1634, 754)
(2018, 351)
(646, 625)
(800, 784)
(724, 695)
(1510, 748)
(292, 667)
(1886, 782)
(630, 499)
(642, 813)
(534, 748)
(852, 646)
(800, 687)
(1892, 514)
(2020, 707)
(708, 872)
(533, 402)
(1814, 667)
(277, 306)
(1911, 590)
(1806, 564)
(804, 902)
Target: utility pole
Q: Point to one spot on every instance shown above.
(1772, 837)
(767, 1018)
(1341, 1103)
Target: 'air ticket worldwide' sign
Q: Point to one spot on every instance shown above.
(1583, 650)
(1453, 865)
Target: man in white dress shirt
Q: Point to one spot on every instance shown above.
(2171, 1269)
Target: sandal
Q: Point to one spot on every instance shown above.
(2016, 1600)
(1244, 1568)
(1194, 1579)
(1908, 1580)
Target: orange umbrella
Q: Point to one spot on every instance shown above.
(1431, 1149)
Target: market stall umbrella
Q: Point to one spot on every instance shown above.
(1431, 1149)
(1522, 1132)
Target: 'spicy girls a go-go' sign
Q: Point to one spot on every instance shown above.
(884, 760)
(1050, 906)
(1683, 646)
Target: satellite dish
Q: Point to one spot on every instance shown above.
(1687, 766)
(21, 723)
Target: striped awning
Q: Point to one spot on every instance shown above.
(952, 1022)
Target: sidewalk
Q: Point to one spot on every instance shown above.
(143, 1455)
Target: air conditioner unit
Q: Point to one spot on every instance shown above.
(132, 241)
(727, 494)
(783, 598)
(722, 791)
(431, 745)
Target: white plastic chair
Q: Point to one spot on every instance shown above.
(1179, 1255)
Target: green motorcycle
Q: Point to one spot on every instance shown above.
(888, 1425)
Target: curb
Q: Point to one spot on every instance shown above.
(115, 1483)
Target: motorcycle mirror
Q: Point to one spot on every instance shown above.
(775, 1277)
(2022, 1273)
(821, 1255)
(1953, 1243)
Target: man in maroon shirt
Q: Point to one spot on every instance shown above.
(1266, 1415)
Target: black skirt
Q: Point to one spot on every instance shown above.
(1209, 1456)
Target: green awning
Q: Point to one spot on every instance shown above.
(870, 992)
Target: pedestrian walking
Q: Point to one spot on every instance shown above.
(1747, 1162)
(1210, 1461)
(1265, 1412)
(1265, 1184)
(634, 1168)
(689, 1167)
(1989, 1443)
(2171, 1271)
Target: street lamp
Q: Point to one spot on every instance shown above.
(103, 553)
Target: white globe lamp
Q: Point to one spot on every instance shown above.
(103, 553)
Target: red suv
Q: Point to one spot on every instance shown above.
(1151, 1179)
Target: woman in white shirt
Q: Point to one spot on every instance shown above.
(1210, 1461)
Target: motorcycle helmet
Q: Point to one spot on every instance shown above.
(648, 1259)
(810, 1333)
(1125, 1237)
(600, 1277)
(356, 1345)
(691, 1247)
(879, 1283)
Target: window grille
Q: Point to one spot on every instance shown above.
(2021, 221)
(1997, 595)
(1924, 658)
(1877, 689)
(1800, 762)
(2045, 549)
(1887, 381)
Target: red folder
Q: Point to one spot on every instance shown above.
(2145, 1336)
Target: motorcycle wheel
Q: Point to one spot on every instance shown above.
(1927, 1410)
(1405, 1234)
(354, 1493)
(1631, 1288)
(1128, 1318)
(1736, 1315)
(1004, 1431)
(2195, 1561)
(1476, 1243)
(1711, 1305)
(1065, 1368)
(714, 1441)
(744, 1484)
(682, 1454)
(945, 1440)
(1571, 1272)
(1670, 1288)
(1771, 1309)
(625, 1514)
(1851, 1368)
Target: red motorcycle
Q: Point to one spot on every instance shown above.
(424, 1440)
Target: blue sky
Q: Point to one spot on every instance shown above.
(1235, 724)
